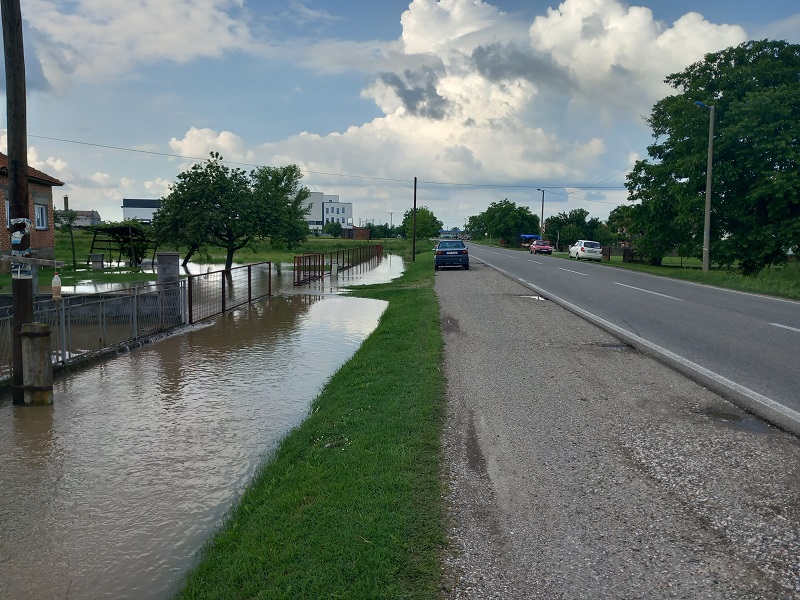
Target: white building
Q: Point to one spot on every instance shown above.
(326, 208)
(140, 208)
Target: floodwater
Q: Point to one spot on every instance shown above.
(112, 491)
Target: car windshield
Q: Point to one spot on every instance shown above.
(447, 245)
(592, 244)
(538, 243)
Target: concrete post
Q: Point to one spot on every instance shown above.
(334, 268)
(37, 369)
(168, 274)
(168, 267)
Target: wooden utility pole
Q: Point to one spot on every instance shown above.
(414, 236)
(16, 109)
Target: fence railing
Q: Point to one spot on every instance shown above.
(84, 325)
(213, 293)
(310, 267)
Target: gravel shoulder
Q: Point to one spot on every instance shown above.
(579, 468)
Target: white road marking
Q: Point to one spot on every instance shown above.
(648, 291)
(535, 261)
(571, 271)
(786, 327)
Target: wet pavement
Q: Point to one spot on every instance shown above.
(111, 491)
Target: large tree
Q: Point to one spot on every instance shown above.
(755, 217)
(280, 195)
(507, 221)
(428, 225)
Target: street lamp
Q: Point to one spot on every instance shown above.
(707, 221)
(541, 225)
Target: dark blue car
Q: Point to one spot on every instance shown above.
(451, 253)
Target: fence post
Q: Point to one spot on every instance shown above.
(37, 368)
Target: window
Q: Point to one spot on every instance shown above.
(41, 216)
(337, 211)
(327, 210)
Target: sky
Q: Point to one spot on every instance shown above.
(479, 100)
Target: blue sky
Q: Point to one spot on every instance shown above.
(480, 101)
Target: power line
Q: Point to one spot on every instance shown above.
(366, 177)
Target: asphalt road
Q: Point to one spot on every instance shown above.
(577, 467)
(742, 345)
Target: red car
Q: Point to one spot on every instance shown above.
(541, 247)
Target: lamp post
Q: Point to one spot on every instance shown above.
(541, 225)
(707, 220)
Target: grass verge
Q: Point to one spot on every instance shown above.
(350, 506)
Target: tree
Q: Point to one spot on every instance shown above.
(755, 216)
(333, 228)
(280, 195)
(507, 221)
(211, 204)
(428, 225)
(65, 222)
(570, 227)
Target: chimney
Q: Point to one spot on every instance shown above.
(66, 203)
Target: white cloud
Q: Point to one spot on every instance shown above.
(102, 39)
(199, 143)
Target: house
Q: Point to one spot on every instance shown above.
(141, 209)
(326, 208)
(40, 209)
(83, 218)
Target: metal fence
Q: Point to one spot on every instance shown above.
(213, 293)
(310, 267)
(84, 325)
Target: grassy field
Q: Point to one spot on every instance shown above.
(351, 505)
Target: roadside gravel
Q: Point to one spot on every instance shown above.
(579, 468)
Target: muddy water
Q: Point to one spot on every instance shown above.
(110, 493)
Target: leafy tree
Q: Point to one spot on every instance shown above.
(755, 217)
(333, 228)
(279, 194)
(65, 222)
(507, 221)
(428, 225)
(570, 227)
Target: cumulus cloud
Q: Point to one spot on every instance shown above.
(97, 40)
(199, 143)
(467, 93)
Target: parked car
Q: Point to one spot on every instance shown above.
(451, 253)
(586, 249)
(541, 247)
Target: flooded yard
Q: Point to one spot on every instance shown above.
(110, 492)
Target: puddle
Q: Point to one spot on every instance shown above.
(736, 419)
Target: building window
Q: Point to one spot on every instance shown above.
(327, 210)
(41, 216)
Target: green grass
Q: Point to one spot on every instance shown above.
(351, 504)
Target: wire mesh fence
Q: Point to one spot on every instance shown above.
(310, 267)
(82, 325)
(213, 293)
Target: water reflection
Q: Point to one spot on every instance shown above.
(111, 491)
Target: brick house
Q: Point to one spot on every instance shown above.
(40, 209)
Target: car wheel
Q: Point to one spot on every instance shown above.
(466, 267)
(435, 267)
(577, 257)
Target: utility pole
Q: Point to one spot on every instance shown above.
(16, 110)
(414, 236)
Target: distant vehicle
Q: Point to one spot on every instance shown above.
(451, 253)
(540, 247)
(586, 249)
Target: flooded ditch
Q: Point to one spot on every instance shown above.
(112, 490)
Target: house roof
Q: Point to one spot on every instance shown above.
(141, 203)
(33, 174)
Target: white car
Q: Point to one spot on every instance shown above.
(586, 249)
